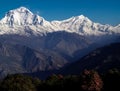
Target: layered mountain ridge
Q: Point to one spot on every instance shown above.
(18, 20)
(102, 59)
(29, 43)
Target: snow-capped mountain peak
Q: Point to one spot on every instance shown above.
(23, 10)
(17, 21)
(76, 24)
(81, 17)
(19, 16)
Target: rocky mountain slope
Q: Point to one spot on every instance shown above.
(29, 43)
(22, 59)
(101, 59)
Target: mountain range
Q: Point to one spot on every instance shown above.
(29, 43)
(101, 59)
(18, 20)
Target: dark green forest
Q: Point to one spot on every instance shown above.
(88, 80)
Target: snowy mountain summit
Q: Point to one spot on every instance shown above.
(22, 21)
(21, 16)
(29, 43)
